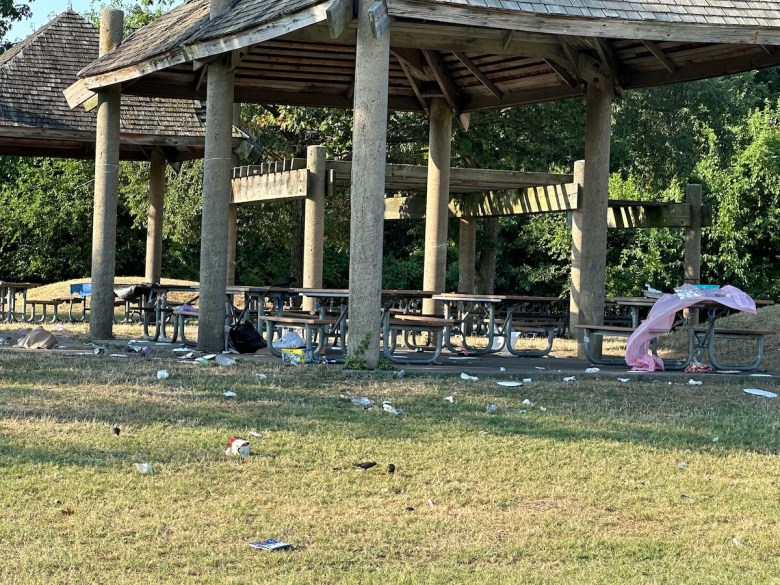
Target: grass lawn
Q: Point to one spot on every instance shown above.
(638, 482)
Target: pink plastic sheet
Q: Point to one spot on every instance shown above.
(661, 318)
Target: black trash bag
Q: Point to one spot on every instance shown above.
(244, 338)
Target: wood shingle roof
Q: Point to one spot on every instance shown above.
(35, 118)
(478, 54)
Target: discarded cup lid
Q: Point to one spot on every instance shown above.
(145, 468)
(270, 544)
(759, 392)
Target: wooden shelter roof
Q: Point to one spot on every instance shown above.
(477, 54)
(35, 119)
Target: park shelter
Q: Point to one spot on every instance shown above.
(35, 119)
(444, 58)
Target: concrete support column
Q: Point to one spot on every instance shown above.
(589, 222)
(232, 239)
(101, 320)
(437, 200)
(369, 137)
(467, 254)
(217, 174)
(154, 217)
(314, 221)
(692, 273)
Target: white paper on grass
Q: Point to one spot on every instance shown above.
(510, 383)
(229, 394)
(465, 376)
(261, 376)
(592, 370)
(693, 382)
(569, 378)
(623, 379)
(527, 402)
(450, 399)
(759, 392)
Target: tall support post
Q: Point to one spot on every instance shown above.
(217, 167)
(467, 254)
(693, 236)
(154, 217)
(101, 320)
(437, 199)
(232, 239)
(314, 221)
(589, 222)
(369, 138)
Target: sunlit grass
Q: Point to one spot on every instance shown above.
(588, 491)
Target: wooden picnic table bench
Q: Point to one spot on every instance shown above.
(393, 322)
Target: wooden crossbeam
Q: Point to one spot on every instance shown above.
(476, 72)
(444, 79)
(270, 186)
(659, 54)
(339, 14)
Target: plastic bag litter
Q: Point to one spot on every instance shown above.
(759, 392)
(163, 375)
(290, 340)
(38, 338)
(202, 361)
(450, 399)
(592, 370)
(244, 338)
(224, 360)
(145, 468)
(465, 376)
(361, 401)
(388, 407)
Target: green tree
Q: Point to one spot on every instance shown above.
(10, 12)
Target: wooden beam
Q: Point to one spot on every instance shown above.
(444, 80)
(339, 14)
(613, 28)
(270, 187)
(77, 93)
(475, 71)
(660, 55)
(507, 38)
(379, 19)
(414, 85)
(413, 59)
(595, 73)
(609, 58)
(560, 70)
(547, 199)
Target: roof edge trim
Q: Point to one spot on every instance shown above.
(582, 26)
(210, 48)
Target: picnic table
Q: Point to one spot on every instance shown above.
(8, 294)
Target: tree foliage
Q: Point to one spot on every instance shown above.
(10, 12)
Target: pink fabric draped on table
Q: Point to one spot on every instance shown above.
(661, 318)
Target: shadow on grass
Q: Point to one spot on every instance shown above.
(306, 401)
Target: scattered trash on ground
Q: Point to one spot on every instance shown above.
(360, 401)
(238, 447)
(269, 544)
(696, 367)
(761, 375)
(163, 374)
(682, 465)
(509, 383)
(255, 433)
(290, 340)
(38, 338)
(465, 376)
(736, 541)
(715, 439)
(117, 431)
(99, 351)
(400, 374)
(261, 376)
(592, 370)
(491, 408)
(527, 380)
(387, 406)
(410, 508)
(118, 355)
(229, 394)
(145, 468)
(527, 402)
(189, 356)
(202, 361)
(693, 382)
(543, 408)
(450, 399)
(684, 498)
(570, 378)
(759, 392)
(502, 369)
(624, 380)
(366, 464)
(223, 360)
(390, 468)
(539, 368)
